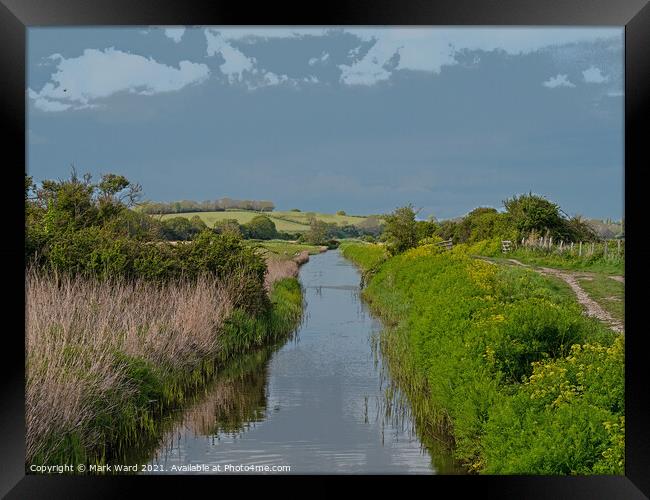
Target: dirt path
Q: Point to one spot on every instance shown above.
(592, 308)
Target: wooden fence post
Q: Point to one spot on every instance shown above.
(606, 247)
(618, 250)
(580, 251)
(592, 248)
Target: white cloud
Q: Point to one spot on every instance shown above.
(97, 74)
(314, 60)
(370, 69)
(235, 62)
(428, 49)
(594, 75)
(420, 49)
(271, 78)
(255, 34)
(175, 33)
(558, 81)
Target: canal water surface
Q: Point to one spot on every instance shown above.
(319, 403)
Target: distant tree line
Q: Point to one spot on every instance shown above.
(218, 205)
(262, 227)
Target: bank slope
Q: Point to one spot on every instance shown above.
(500, 360)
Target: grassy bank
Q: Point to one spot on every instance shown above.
(365, 255)
(105, 359)
(499, 360)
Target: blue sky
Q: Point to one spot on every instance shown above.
(325, 119)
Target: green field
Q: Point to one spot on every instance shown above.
(287, 221)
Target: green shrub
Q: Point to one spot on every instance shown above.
(534, 329)
(568, 418)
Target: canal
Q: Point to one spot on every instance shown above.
(319, 403)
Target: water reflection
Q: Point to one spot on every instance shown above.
(322, 403)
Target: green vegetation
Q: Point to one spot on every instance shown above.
(400, 230)
(243, 217)
(182, 228)
(290, 221)
(526, 216)
(501, 360)
(221, 204)
(318, 233)
(260, 228)
(366, 256)
(597, 262)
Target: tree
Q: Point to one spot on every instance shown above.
(178, 228)
(266, 206)
(115, 192)
(318, 233)
(531, 212)
(228, 226)
(426, 229)
(580, 230)
(261, 228)
(341, 212)
(400, 230)
(370, 225)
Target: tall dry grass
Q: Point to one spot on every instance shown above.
(76, 326)
(277, 269)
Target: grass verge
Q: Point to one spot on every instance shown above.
(501, 361)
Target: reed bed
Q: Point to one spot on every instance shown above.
(81, 334)
(278, 269)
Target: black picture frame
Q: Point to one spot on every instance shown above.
(17, 15)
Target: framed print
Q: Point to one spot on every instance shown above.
(399, 242)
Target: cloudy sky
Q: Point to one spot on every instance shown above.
(326, 119)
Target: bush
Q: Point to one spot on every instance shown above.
(181, 228)
(260, 228)
(430, 240)
(567, 419)
(534, 329)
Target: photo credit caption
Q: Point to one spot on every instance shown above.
(180, 469)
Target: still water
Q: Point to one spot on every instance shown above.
(318, 404)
